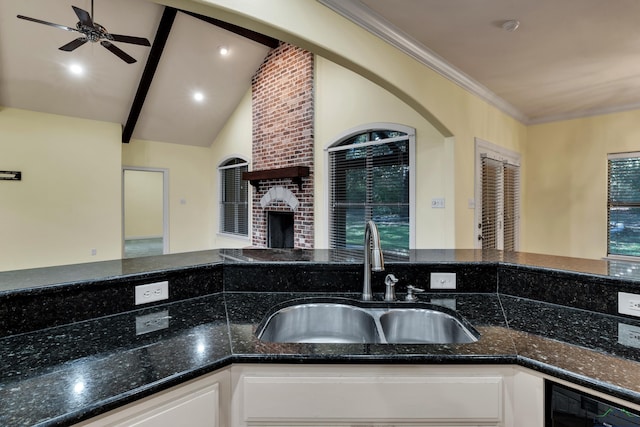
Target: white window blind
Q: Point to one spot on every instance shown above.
(369, 179)
(500, 204)
(623, 204)
(234, 197)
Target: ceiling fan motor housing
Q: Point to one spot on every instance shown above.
(93, 34)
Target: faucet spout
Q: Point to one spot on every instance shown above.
(373, 259)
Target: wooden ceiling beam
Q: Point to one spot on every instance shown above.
(251, 35)
(166, 22)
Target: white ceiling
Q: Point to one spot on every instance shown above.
(34, 73)
(568, 58)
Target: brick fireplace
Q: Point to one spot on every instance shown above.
(282, 153)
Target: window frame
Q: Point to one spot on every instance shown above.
(223, 166)
(614, 156)
(372, 127)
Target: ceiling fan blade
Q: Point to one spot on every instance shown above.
(74, 44)
(39, 21)
(129, 39)
(83, 16)
(118, 52)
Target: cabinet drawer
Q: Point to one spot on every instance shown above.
(379, 398)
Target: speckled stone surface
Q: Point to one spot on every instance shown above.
(77, 368)
(61, 375)
(29, 310)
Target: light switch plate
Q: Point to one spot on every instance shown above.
(437, 203)
(443, 281)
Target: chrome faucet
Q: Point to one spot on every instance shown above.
(373, 260)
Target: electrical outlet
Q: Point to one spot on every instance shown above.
(629, 335)
(443, 281)
(152, 322)
(152, 292)
(629, 304)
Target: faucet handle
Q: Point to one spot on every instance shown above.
(390, 292)
(410, 290)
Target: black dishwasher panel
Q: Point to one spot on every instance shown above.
(566, 407)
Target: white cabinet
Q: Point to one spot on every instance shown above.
(343, 395)
(389, 395)
(203, 402)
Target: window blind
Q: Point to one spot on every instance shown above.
(511, 204)
(234, 195)
(623, 204)
(491, 199)
(500, 204)
(369, 179)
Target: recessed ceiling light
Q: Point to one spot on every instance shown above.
(198, 96)
(224, 51)
(511, 25)
(76, 69)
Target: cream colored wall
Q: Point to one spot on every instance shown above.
(566, 203)
(452, 110)
(143, 204)
(345, 100)
(234, 140)
(68, 202)
(190, 201)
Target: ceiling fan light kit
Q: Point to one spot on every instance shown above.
(93, 32)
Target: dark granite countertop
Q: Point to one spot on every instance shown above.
(62, 375)
(71, 372)
(30, 279)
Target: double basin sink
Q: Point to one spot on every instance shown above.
(348, 321)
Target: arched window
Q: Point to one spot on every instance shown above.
(370, 178)
(234, 197)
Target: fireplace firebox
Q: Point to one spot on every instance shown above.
(280, 230)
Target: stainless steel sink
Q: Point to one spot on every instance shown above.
(423, 326)
(325, 322)
(320, 323)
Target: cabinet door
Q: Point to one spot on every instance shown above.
(200, 403)
(386, 395)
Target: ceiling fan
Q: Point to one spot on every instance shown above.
(93, 32)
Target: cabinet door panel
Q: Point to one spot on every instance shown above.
(376, 398)
(195, 411)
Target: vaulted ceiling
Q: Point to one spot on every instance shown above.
(152, 98)
(568, 58)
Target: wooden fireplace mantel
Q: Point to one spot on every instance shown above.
(295, 173)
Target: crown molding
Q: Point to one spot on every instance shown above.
(583, 113)
(366, 18)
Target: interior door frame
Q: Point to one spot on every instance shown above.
(165, 204)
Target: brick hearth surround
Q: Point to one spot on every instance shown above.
(282, 103)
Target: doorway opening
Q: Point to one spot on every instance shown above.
(144, 212)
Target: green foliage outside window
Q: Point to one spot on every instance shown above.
(624, 206)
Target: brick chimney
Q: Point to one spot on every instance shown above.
(283, 139)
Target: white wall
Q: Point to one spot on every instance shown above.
(68, 203)
(345, 100)
(234, 140)
(567, 197)
(190, 201)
